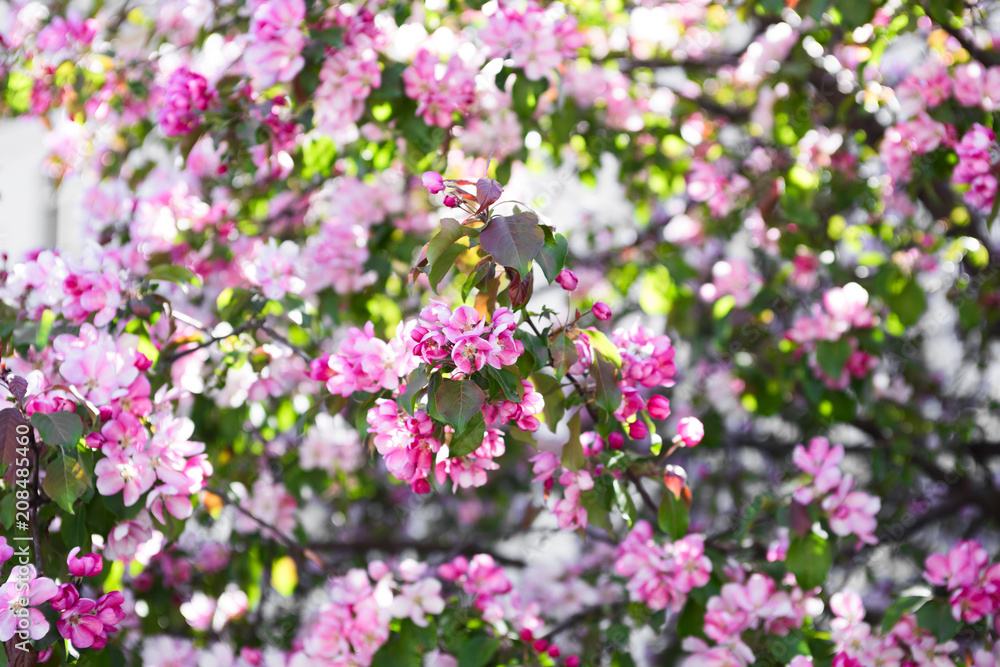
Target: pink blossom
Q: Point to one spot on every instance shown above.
(977, 155)
(87, 566)
(127, 471)
(127, 537)
(960, 568)
(601, 311)
(6, 551)
(661, 575)
(78, 625)
(567, 280)
(274, 52)
(690, 430)
(439, 94)
(24, 589)
(647, 360)
(433, 181)
(469, 353)
(732, 278)
(185, 94)
(417, 600)
(533, 38)
(852, 512)
(658, 407)
(570, 514)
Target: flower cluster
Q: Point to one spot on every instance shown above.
(348, 77)
(481, 578)
(275, 42)
(733, 278)
(745, 605)
(184, 95)
(406, 442)
(464, 337)
(849, 511)
(973, 584)
(532, 37)
(843, 309)
(439, 90)
(87, 622)
(662, 575)
(857, 643)
(363, 363)
(978, 155)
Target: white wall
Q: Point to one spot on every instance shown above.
(32, 213)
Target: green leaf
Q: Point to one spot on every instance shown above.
(597, 502)
(722, 307)
(468, 439)
(444, 264)
(833, 355)
(173, 273)
(317, 156)
(478, 651)
(450, 232)
(572, 452)
(514, 240)
(45, 323)
(414, 384)
(673, 516)
(936, 617)
(552, 256)
(564, 354)
(604, 347)
(691, 622)
(623, 500)
(900, 608)
(608, 395)
(909, 303)
(65, 481)
(510, 382)
(809, 558)
(555, 403)
(7, 510)
(458, 401)
(284, 576)
(656, 291)
(483, 269)
(62, 428)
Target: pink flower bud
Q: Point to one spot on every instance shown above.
(421, 486)
(616, 440)
(658, 406)
(94, 440)
(554, 651)
(105, 413)
(65, 598)
(142, 362)
(540, 645)
(601, 311)
(252, 656)
(433, 181)
(567, 280)
(87, 566)
(638, 430)
(451, 201)
(691, 431)
(572, 661)
(527, 635)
